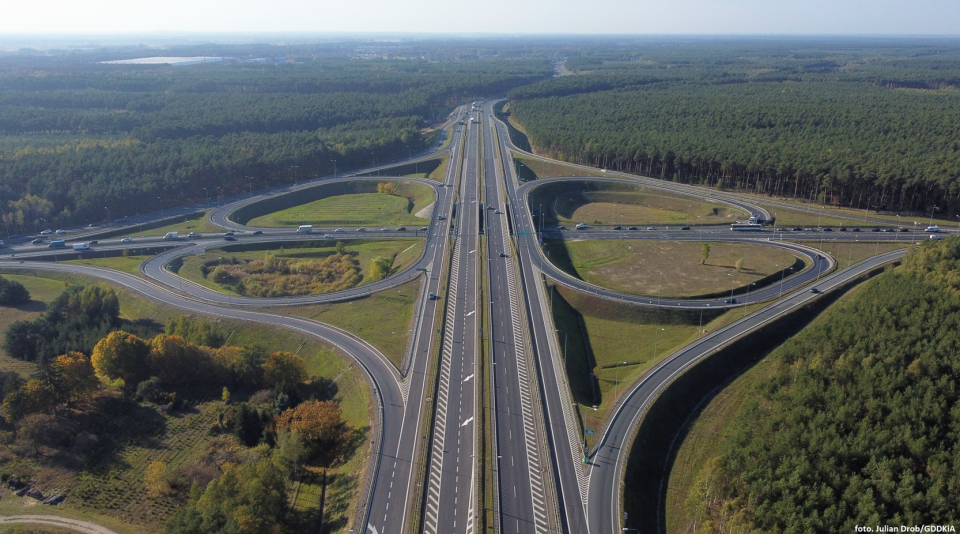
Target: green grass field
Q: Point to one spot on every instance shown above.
(112, 494)
(645, 267)
(532, 169)
(362, 209)
(644, 207)
(127, 264)
(406, 252)
(199, 224)
(707, 431)
(383, 319)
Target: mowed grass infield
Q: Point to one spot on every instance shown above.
(667, 268)
(360, 209)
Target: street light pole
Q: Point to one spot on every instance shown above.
(334, 168)
(783, 273)
(161, 206)
(250, 178)
(616, 387)
(931, 215)
(295, 168)
(207, 193)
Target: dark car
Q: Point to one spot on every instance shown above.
(856, 229)
(502, 255)
(843, 228)
(94, 242)
(684, 227)
(797, 229)
(257, 232)
(730, 301)
(814, 290)
(888, 230)
(874, 229)
(828, 229)
(618, 228)
(561, 228)
(229, 238)
(37, 241)
(402, 229)
(228, 234)
(904, 230)
(632, 228)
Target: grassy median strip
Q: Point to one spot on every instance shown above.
(184, 225)
(432, 169)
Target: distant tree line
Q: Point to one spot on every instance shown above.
(81, 143)
(864, 127)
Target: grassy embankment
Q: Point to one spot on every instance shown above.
(360, 209)
(671, 269)
(113, 494)
(609, 345)
(528, 168)
(847, 253)
(405, 252)
(193, 223)
(434, 169)
(704, 434)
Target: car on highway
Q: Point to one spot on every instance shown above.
(497, 212)
(402, 229)
(432, 296)
(729, 301)
(935, 237)
(780, 230)
(855, 229)
(441, 218)
(582, 226)
(384, 229)
(561, 228)
(651, 228)
(361, 229)
(339, 230)
(37, 241)
(46, 232)
(904, 230)
(193, 235)
(632, 228)
(684, 227)
(797, 229)
(828, 229)
(503, 255)
(328, 236)
(127, 240)
(618, 228)
(60, 244)
(229, 238)
(812, 229)
(874, 229)
(423, 228)
(231, 234)
(888, 230)
(814, 290)
(92, 225)
(60, 231)
(843, 228)
(94, 242)
(258, 232)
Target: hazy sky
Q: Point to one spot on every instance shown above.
(912, 17)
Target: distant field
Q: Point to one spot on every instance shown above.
(361, 209)
(635, 266)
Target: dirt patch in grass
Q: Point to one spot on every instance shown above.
(404, 252)
(668, 268)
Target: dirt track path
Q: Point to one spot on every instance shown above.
(75, 524)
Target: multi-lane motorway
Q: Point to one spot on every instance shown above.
(544, 478)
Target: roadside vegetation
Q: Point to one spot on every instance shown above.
(528, 168)
(141, 427)
(198, 222)
(303, 269)
(385, 204)
(672, 268)
(848, 253)
(860, 403)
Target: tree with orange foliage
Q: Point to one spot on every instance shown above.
(121, 356)
(314, 421)
(74, 375)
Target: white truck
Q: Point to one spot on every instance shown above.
(81, 246)
(171, 235)
(305, 229)
(933, 229)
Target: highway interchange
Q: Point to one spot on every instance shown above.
(429, 481)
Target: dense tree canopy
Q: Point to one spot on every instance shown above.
(855, 125)
(91, 141)
(860, 425)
